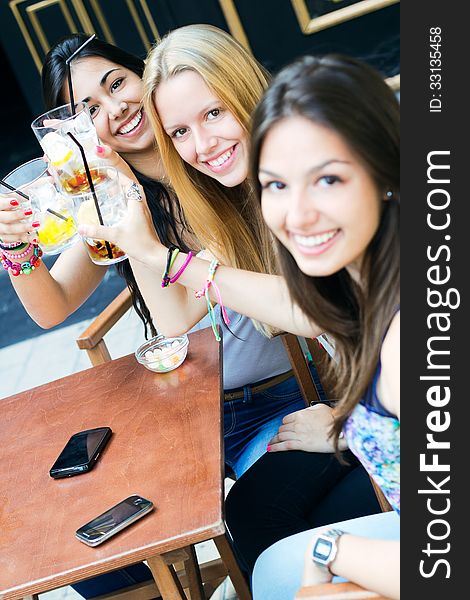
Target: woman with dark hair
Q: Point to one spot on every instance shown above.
(325, 154)
(50, 297)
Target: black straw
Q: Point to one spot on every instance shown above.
(92, 188)
(69, 72)
(12, 189)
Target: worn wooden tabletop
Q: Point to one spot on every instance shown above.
(166, 446)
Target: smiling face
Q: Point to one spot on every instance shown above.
(204, 132)
(317, 197)
(113, 94)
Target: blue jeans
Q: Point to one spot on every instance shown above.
(278, 571)
(111, 582)
(252, 421)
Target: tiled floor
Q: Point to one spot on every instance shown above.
(54, 355)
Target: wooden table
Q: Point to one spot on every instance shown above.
(166, 446)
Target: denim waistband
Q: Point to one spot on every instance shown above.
(257, 387)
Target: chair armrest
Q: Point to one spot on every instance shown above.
(336, 591)
(91, 339)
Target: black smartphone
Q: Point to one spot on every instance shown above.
(81, 452)
(113, 520)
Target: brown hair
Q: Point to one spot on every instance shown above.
(350, 98)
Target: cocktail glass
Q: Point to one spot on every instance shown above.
(113, 208)
(53, 211)
(66, 162)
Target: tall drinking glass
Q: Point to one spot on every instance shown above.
(113, 208)
(56, 231)
(52, 128)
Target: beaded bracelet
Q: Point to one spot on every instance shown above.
(182, 268)
(173, 252)
(24, 268)
(205, 292)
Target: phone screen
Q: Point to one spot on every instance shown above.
(114, 517)
(80, 448)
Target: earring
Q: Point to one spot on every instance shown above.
(389, 194)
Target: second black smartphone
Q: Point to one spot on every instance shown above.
(81, 452)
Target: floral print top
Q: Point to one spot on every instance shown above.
(373, 435)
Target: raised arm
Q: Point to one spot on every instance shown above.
(175, 309)
(49, 297)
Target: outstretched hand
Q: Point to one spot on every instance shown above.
(15, 226)
(135, 234)
(307, 429)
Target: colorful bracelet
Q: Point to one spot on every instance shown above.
(13, 245)
(20, 255)
(182, 268)
(205, 292)
(24, 268)
(173, 252)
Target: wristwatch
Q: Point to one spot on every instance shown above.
(325, 547)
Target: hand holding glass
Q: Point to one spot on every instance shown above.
(56, 230)
(113, 208)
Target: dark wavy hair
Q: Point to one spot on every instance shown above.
(165, 209)
(351, 99)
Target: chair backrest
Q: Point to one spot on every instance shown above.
(299, 364)
(92, 340)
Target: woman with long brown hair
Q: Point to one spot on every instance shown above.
(325, 154)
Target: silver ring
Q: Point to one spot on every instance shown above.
(133, 193)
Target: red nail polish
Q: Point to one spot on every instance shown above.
(14, 202)
(35, 241)
(36, 224)
(99, 150)
(268, 448)
(28, 212)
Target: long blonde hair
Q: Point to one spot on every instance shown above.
(227, 221)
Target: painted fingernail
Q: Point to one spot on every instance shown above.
(28, 212)
(99, 150)
(14, 202)
(35, 224)
(268, 448)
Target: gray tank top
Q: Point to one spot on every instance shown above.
(249, 357)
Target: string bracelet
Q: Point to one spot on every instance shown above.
(182, 268)
(173, 252)
(24, 268)
(205, 292)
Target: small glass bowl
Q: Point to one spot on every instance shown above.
(162, 354)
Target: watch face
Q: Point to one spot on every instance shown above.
(322, 549)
